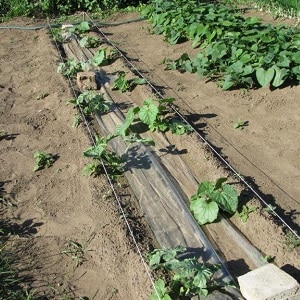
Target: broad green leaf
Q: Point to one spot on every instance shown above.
(283, 60)
(138, 81)
(204, 211)
(83, 27)
(226, 23)
(99, 57)
(247, 70)
(280, 76)
(148, 112)
(205, 188)
(264, 77)
(160, 292)
(179, 128)
(227, 83)
(122, 130)
(95, 152)
(227, 198)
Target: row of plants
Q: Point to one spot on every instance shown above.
(234, 51)
(13, 8)
(278, 8)
(189, 276)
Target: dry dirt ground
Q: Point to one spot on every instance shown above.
(58, 206)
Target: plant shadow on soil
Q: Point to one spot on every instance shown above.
(9, 137)
(288, 216)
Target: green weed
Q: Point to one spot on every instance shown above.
(42, 160)
(240, 124)
(291, 241)
(244, 214)
(124, 85)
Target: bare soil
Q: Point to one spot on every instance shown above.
(58, 205)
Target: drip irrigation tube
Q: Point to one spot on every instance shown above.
(57, 25)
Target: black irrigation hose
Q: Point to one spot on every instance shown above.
(57, 25)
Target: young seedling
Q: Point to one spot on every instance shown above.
(244, 214)
(103, 58)
(212, 197)
(291, 241)
(102, 155)
(70, 67)
(89, 42)
(76, 251)
(270, 209)
(240, 124)
(42, 160)
(91, 102)
(122, 84)
(77, 121)
(269, 258)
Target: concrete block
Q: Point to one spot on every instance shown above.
(269, 283)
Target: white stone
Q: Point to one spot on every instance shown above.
(269, 283)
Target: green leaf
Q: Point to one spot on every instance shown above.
(83, 27)
(227, 199)
(99, 57)
(280, 76)
(205, 188)
(138, 81)
(122, 130)
(204, 211)
(160, 292)
(264, 77)
(227, 83)
(148, 112)
(179, 128)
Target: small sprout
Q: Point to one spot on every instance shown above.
(292, 241)
(270, 209)
(77, 121)
(240, 124)
(42, 160)
(268, 258)
(244, 214)
(42, 96)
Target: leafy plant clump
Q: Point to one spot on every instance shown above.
(103, 57)
(246, 211)
(211, 198)
(52, 8)
(234, 51)
(153, 114)
(103, 157)
(189, 277)
(42, 160)
(122, 84)
(89, 42)
(70, 67)
(91, 102)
